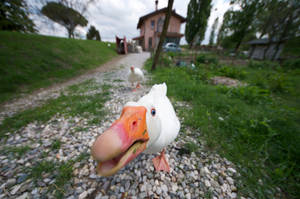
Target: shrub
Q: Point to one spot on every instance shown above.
(292, 64)
(277, 83)
(201, 59)
(263, 64)
(206, 59)
(232, 72)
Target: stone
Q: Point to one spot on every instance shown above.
(164, 188)
(207, 183)
(158, 190)
(230, 180)
(143, 195)
(174, 187)
(23, 196)
(22, 178)
(220, 180)
(127, 185)
(11, 182)
(233, 195)
(231, 170)
(188, 196)
(83, 195)
(15, 189)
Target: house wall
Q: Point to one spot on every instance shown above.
(148, 32)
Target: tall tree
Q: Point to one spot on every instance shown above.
(93, 34)
(213, 31)
(163, 34)
(196, 22)
(64, 15)
(14, 16)
(243, 19)
(225, 27)
(279, 21)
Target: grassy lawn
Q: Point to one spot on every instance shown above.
(73, 103)
(29, 62)
(257, 126)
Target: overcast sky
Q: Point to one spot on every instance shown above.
(120, 17)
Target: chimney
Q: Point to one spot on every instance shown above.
(156, 3)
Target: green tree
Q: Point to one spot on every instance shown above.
(93, 34)
(65, 16)
(225, 27)
(279, 21)
(213, 31)
(196, 22)
(242, 20)
(14, 16)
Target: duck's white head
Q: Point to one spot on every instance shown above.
(138, 127)
(132, 69)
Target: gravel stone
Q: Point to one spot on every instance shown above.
(83, 195)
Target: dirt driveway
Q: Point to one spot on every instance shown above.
(41, 95)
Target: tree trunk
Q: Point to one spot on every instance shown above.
(237, 46)
(69, 33)
(163, 34)
(283, 35)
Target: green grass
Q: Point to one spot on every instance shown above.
(257, 127)
(29, 62)
(16, 151)
(62, 172)
(56, 144)
(75, 104)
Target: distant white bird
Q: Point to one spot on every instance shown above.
(135, 75)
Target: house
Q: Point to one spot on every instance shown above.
(151, 26)
(265, 49)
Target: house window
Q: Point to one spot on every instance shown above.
(150, 42)
(152, 24)
(160, 24)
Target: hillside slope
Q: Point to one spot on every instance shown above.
(29, 62)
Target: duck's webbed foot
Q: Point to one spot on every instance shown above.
(138, 85)
(160, 162)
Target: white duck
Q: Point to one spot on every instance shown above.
(135, 75)
(148, 125)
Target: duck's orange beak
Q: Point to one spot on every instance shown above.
(122, 142)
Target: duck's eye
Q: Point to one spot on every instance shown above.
(153, 111)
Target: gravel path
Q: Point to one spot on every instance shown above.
(201, 174)
(40, 96)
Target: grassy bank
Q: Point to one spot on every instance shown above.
(73, 103)
(29, 62)
(257, 126)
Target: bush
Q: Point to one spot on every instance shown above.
(292, 64)
(250, 94)
(278, 83)
(232, 72)
(263, 64)
(165, 60)
(206, 59)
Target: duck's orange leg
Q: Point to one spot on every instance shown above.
(138, 85)
(160, 162)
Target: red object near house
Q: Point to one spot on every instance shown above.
(151, 26)
(121, 45)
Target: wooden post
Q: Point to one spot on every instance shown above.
(163, 34)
